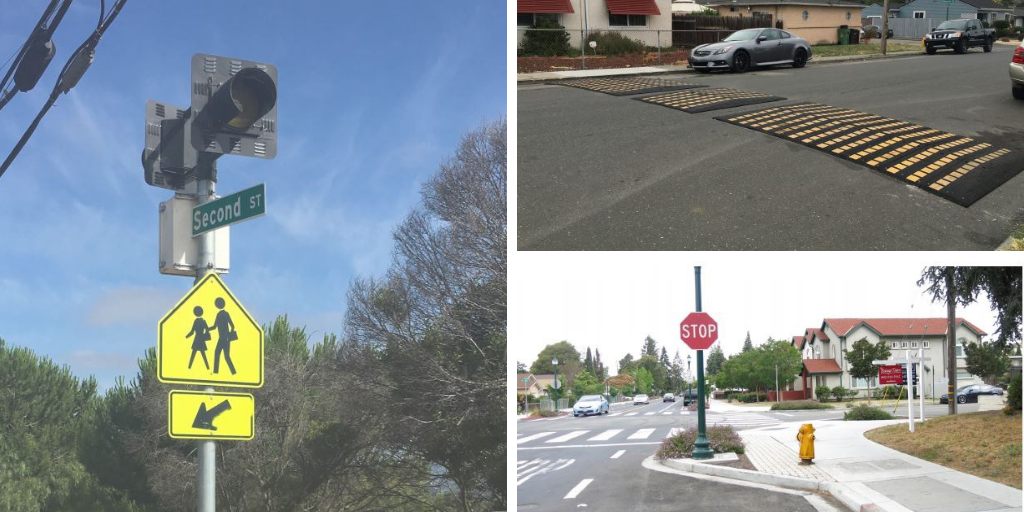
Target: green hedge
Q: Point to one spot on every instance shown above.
(865, 412)
(614, 43)
(1013, 395)
(749, 398)
(545, 43)
(798, 405)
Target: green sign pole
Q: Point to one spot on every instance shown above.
(702, 448)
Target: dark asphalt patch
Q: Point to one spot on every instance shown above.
(957, 168)
(627, 85)
(712, 98)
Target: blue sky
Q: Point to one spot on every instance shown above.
(372, 98)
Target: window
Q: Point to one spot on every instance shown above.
(771, 34)
(785, 35)
(960, 347)
(913, 344)
(805, 15)
(527, 19)
(627, 20)
(861, 383)
(848, 15)
(925, 344)
(895, 344)
(919, 15)
(904, 345)
(961, 374)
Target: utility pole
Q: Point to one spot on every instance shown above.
(951, 339)
(885, 24)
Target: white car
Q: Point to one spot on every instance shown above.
(641, 399)
(590, 404)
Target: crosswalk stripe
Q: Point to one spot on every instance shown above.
(649, 413)
(666, 413)
(618, 454)
(578, 489)
(533, 437)
(643, 433)
(606, 435)
(673, 431)
(566, 437)
(631, 414)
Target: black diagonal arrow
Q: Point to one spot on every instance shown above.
(204, 418)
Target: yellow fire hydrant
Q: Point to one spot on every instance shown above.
(806, 437)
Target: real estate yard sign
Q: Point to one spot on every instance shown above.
(890, 374)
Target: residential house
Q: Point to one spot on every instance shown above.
(1018, 16)
(527, 383)
(686, 6)
(873, 12)
(814, 20)
(990, 12)
(828, 365)
(649, 21)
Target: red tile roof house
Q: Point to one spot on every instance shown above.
(825, 363)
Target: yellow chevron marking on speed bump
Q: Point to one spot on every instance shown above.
(855, 134)
(927, 153)
(951, 177)
(907, 147)
(796, 116)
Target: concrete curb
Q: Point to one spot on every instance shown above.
(841, 492)
(525, 78)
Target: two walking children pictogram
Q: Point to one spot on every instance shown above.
(225, 335)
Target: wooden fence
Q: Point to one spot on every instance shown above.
(696, 29)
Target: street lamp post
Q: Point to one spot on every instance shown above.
(554, 362)
(702, 447)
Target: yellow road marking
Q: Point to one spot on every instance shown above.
(964, 169)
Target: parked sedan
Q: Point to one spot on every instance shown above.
(964, 395)
(590, 404)
(985, 389)
(641, 399)
(1017, 72)
(751, 47)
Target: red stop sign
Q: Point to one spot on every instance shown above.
(699, 331)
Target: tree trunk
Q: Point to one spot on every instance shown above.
(951, 339)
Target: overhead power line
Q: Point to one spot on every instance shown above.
(35, 54)
(73, 71)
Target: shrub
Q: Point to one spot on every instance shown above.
(997, 24)
(877, 393)
(798, 405)
(544, 414)
(614, 43)
(865, 412)
(852, 393)
(546, 43)
(722, 438)
(823, 393)
(838, 393)
(749, 398)
(1013, 396)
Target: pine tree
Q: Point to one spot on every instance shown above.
(650, 348)
(588, 363)
(601, 376)
(716, 358)
(748, 345)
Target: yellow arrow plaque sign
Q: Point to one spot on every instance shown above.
(209, 338)
(200, 415)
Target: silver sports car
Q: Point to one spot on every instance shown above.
(752, 47)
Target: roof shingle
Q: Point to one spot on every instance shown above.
(898, 326)
(821, 366)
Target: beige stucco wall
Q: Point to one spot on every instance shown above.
(596, 18)
(822, 23)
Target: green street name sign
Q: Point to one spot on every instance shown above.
(249, 203)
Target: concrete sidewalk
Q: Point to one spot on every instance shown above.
(864, 475)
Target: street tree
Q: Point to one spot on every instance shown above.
(627, 365)
(585, 383)
(716, 357)
(860, 355)
(654, 367)
(747, 344)
(650, 348)
(987, 360)
(520, 367)
(563, 350)
(777, 359)
(1001, 284)
(644, 381)
(620, 384)
(599, 366)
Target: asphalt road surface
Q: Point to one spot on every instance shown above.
(601, 172)
(595, 462)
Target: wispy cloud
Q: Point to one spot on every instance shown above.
(86, 361)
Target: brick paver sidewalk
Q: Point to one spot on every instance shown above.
(769, 455)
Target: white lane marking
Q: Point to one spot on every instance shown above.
(578, 489)
(631, 414)
(606, 435)
(584, 445)
(649, 413)
(685, 413)
(566, 437)
(614, 414)
(643, 433)
(783, 414)
(531, 438)
(543, 466)
(618, 454)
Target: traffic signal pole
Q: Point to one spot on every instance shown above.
(206, 480)
(702, 447)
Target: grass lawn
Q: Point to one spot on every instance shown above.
(984, 444)
(834, 50)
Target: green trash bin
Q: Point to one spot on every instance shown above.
(844, 35)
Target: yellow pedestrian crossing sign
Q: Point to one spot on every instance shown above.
(201, 415)
(209, 338)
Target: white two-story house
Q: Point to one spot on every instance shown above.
(825, 362)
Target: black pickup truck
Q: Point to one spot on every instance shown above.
(959, 35)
